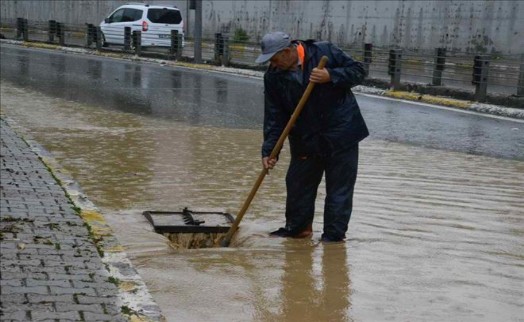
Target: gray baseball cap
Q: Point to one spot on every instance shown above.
(271, 44)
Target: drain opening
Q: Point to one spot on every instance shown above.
(191, 229)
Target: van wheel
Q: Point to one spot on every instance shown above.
(104, 43)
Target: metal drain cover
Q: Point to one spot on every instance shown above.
(189, 221)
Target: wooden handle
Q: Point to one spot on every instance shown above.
(276, 149)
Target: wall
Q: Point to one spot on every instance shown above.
(468, 26)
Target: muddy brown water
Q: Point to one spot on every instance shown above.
(435, 235)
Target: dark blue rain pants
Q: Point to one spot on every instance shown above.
(302, 180)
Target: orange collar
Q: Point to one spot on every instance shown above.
(301, 54)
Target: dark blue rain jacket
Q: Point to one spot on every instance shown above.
(331, 119)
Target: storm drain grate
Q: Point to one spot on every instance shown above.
(189, 221)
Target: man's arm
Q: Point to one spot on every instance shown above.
(275, 120)
(347, 72)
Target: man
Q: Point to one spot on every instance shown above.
(325, 137)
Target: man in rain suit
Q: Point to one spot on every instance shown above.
(325, 138)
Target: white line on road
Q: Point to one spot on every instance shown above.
(442, 107)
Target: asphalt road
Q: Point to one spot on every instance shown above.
(434, 235)
(223, 100)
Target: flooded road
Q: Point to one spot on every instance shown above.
(436, 235)
(211, 99)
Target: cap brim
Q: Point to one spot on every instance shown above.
(264, 57)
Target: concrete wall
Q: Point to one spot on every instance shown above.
(463, 25)
(68, 11)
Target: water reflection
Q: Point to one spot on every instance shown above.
(94, 69)
(176, 79)
(474, 136)
(435, 235)
(23, 66)
(316, 284)
(137, 76)
(196, 103)
(428, 127)
(198, 98)
(187, 96)
(221, 92)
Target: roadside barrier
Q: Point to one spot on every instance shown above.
(442, 71)
(175, 50)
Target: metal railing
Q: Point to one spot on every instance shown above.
(478, 74)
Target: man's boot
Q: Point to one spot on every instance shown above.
(308, 232)
(283, 232)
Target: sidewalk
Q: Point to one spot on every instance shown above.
(50, 266)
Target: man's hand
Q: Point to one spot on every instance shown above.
(319, 76)
(268, 163)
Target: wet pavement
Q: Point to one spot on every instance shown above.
(436, 233)
(50, 267)
(220, 100)
(417, 68)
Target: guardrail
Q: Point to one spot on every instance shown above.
(475, 76)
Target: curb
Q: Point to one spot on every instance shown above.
(136, 301)
(428, 99)
(409, 96)
(460, 104)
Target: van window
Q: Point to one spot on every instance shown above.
(132, 15)
(117, 16)
(125, 15)
(165, 15)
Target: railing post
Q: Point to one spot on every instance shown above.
(137, 42)
(197, 35)
(174, 44)
(440, 61)
(51, 31)
(60, 32)
(89, 34)
(179, 46)
(218, 47)
(480, 77)
(98, 37)
(19, 27)
(394, 67)
(22, 30)
(25, 29)
(368, 51)
(127, 38)
(520, 86)
(225, 51)
(175, 51)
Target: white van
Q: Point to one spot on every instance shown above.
(155, 22)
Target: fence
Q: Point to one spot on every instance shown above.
(474, 76)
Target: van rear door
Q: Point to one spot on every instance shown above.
(163, 20)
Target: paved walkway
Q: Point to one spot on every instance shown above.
(50, 268)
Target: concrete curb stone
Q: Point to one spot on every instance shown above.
(47, 253)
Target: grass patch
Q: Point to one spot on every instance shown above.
(13, 219)
(95, 239)
(52, 226)
(126, 310)
(113, 280)
(10, 228)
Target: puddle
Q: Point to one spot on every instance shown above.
(435, 235)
